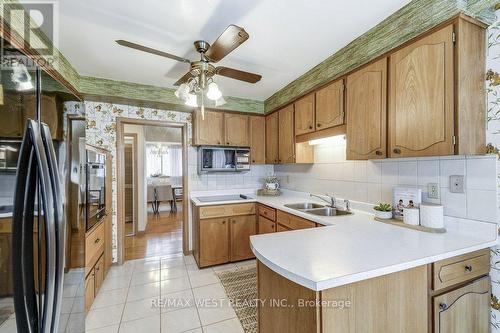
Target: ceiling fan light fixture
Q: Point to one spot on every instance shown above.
(191, 100)
(220, 101)
(213, 92)
(182, 92)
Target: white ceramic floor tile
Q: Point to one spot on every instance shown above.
(226, 267)
(70, 290)
(180, 320)
(203, 279)
(140, 309)
(116, 282)
(77, 323)
(211, 314)
(173, 272)
(247, 263)
(123, 270)
(177, 300)
(193, 269)
(196, 330)
(9, 326)
(78, 305)
(102, 317)
(67, 305)
(110, 297)
(144, 291)
(211, 291)
(146, 266)
(107, 329)
(63, 322)
(173, 285)
(189, 260)
(227, 326)
(145, 277)
(146, 325)
(172, 262)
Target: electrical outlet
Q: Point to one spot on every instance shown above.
(457, 184)
(433, 191)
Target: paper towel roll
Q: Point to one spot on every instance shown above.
(431, 215)
(411, 216)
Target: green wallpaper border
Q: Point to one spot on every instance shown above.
(407, 23)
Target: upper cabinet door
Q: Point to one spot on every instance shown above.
(272, 138)
(258, 140)
(366, 110)
(209, 131)
(421, 97)
(304, 115)
(286, 135)
(330, 105)
(236, 126)
(11, 124)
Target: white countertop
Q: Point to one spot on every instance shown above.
(355, 247)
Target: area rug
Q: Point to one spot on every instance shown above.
(241, 288)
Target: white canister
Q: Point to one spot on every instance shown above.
(431, 215)
(411, 216)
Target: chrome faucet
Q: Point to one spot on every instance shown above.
(331, 202)
(347, 204)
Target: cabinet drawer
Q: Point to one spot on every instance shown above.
(266, 226)
(227, 210)
(99, 274)
(293, 222)
(94, 246)
(459, 269)
(267, 212)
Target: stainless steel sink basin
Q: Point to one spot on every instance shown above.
(304, 205)
(327, 211)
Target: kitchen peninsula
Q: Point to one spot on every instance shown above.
(393, 279)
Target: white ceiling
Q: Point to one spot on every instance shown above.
(287, 37)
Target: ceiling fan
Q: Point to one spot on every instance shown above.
(199, 80)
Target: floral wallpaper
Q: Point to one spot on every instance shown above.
(101, 132)
(493, 139)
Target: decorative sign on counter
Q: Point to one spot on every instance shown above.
(405, 197)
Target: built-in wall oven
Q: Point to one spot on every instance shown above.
(95, 195)
(223, 159)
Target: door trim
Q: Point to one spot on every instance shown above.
(135, 182)
(120, 123)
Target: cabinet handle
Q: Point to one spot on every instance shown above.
(265, 213)
(443, 306)
(223, 222)
(396, 151)
(468, 268)
(318, 125)
(218, 142)
(272, 227)
(227, 143)
(253, 161)
(97, 240)
(378, 152)
(310, 127)
(234, 222)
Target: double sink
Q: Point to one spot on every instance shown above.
(317, 209)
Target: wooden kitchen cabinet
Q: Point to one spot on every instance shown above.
(366, 111)
(50, 113)
(305, 110)
(236, 130)
(214, 241)
(208, 131)
(286, 137)
(421, 97)
(242, 227)
(99, 274)
(258, 139)
(89, 290)
(463, 310)
(266, 226)
(330, 105)
(272, 138)
(11, 125)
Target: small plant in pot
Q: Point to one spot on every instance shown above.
(383, 211)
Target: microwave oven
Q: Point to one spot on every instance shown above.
(9, 154)
(223, 159)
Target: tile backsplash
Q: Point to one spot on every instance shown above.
(224, 180)
(372, 181)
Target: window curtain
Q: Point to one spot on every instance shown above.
(167, 163)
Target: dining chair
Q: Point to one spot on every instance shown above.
(164, 193)
(152, 198)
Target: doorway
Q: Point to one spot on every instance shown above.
(152, 187)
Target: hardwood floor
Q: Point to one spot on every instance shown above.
(163, 236)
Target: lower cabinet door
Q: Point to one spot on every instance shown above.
(281, 228)
(214, 241)
(89, 290)
(266, 225)
(464, 310)
(242, 227)
(99, 274)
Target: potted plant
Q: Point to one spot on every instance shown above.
(272, 183)
(383, 211)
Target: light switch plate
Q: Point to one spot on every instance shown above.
(457, 184)
(433, 191)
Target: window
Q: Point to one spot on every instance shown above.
(163, 160)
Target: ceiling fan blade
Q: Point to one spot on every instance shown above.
(183, 79)
(230, 39)
(150, 50)
(238, 75)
